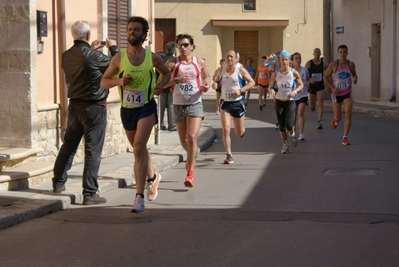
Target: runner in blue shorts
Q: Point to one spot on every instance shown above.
(235, 81)
(137, 86)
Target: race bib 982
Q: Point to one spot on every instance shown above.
(186, 89)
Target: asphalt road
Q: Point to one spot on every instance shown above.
(321, 205)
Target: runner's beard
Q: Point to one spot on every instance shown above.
(135, 42)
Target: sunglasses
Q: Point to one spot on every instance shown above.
(185, 45)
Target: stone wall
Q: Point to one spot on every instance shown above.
(49, 134)
(16, 74)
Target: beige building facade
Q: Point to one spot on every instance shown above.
(370, 30)
(270, 26)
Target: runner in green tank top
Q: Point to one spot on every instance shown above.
(140, 90)
(133, 72)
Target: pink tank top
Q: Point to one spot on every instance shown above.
(342, 79)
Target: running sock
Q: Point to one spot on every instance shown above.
(153, 178)
(142, 195)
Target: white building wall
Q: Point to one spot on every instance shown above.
(357, 18)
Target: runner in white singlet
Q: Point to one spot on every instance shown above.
(190, 78)
(235, 81)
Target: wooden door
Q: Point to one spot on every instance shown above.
(165, 32)
(247, 44)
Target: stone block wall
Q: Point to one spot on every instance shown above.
(49, 134)
(16, 74)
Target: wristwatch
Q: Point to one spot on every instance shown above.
(176, 80)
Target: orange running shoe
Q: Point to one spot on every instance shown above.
(345, 141)
(334, 124)
(152, 187)
(189, 181)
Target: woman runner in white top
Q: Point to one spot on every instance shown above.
(289, 84)
(301, 99)
(235, 81)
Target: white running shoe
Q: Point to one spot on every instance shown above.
(301, 137)
(152, 187)
(229, 159)
(285, 149)
(294, 140)
(138, 205)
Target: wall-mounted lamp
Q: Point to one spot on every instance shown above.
(41, 19)
(40, 47)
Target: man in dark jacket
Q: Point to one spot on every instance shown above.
(84, 67)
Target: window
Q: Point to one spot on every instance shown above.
(118, 14)
(249, 4)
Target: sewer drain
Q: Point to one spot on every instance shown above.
(350, 172)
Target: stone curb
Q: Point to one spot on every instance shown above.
(368, 110)
(27, 209)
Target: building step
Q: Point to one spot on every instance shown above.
(8, 154)
(25, 175)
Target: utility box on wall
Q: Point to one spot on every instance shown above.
(41, 18)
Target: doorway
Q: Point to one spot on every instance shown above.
(165, 32)
(247, 44)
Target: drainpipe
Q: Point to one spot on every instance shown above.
(305, 15)
(61, 48)
(152, 22)
(394, 27)
(157, 132)
(327, 30)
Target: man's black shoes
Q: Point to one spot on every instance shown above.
(58, 188)
(93, 200)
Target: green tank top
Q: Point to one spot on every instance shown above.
(141, 89)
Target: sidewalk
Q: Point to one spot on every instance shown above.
(115, 172)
